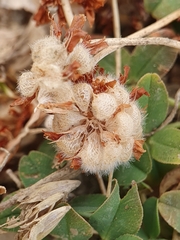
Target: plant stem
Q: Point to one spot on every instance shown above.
(4, 157)
(101, 183)
(117, 34)
(157, 25)
(67, 11)
(109, 187)
(115, 43)
(15, 179)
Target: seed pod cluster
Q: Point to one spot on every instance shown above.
(94, 122)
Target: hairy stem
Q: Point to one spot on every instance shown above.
(115, 43)
(157, 25)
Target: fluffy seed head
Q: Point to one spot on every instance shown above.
(93, 118)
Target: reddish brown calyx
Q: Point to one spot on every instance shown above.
(138, 149)
(123, 77)
(22, 101)
(71, 71)
(75, 32)
(52, 135)
(137, 92)
(90, 7)
(100, 86)
(76, 163)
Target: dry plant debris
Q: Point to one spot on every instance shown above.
(95, 120)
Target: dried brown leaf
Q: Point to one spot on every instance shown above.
(47, 223)
(171, 181)
(48, 189)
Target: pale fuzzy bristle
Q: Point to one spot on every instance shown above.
(82, 56)
(122, 124)
(103, 106)
(66, 121)
(27, 84)
(120, 94)
(91, 154)
(82, 95)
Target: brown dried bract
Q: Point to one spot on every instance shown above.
(43, 16)
(100, 86)
(123, 78)
(66, 105)
(75, 163)
(55, 28)
(90, 7)
(121, 108)
(22, 101)
(95, 47)
(75, 32)
(52, 135)
(137, 92)
(138, 149)
(71, 71)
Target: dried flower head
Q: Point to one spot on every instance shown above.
(95, 122)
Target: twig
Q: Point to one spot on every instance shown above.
(4, 157)
(117, 34)
(121, 42)
(157, 25)
(115, 43)
(15, 179)
(109, 187)
(101, 184)
(170, 117)
(12, 145)
(67, 11)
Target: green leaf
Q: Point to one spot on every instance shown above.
(129, 237)
(47, 148)
(161, 8)
(128, 218)
(169, 208)
(149, 59)
(142, 234)
(137, 170)
(157, 104)
(86, 205)
(151, 223)
(165, 146)
(124, 216)
(102, 219)
(108, 63)
(73, 227)
(34, 167)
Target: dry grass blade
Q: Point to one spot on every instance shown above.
(47, 223)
